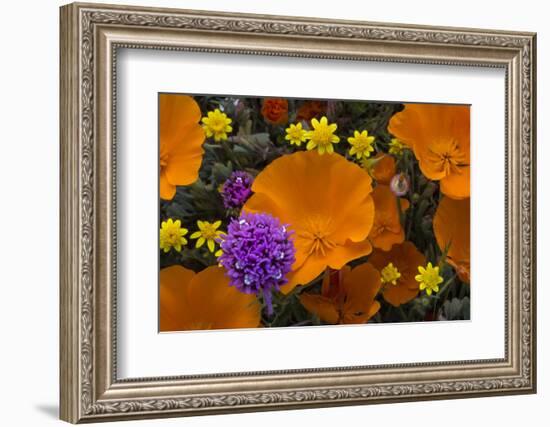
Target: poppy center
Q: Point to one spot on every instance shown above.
(381, 225)
(447, 156)
(318, 236)
(321, 244)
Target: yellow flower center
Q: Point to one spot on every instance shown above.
(447, 156)
(390, 274)
(217, 123)
(209, 231)
(322, 135)
(295, 132)
(429, 278)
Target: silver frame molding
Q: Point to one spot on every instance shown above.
(90, 37)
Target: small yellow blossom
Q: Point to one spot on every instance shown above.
(390, 274)
(429, 278)
(396, 147)
(171, 235)
(296, 134)
(216, 124)
(209, 233)
(322, 136)
(361, 144)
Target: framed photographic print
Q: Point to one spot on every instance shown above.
(266, 212)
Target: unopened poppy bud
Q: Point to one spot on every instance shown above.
(399, 184)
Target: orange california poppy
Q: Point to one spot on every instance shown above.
(440, 138)
(347, 300)
(384, 168)
(399, 265)
(204, 300)
(181, 139)
(275, 110)
(387, 230)
(452, 231)
(310, 110)
(326, 201)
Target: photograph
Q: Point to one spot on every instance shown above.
(277, 212)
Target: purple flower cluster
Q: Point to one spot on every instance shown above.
(236, 190)
(258, 253)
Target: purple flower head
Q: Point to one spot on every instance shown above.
(236, 190)
(258, 253)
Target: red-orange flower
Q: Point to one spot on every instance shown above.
(275, 110)
(349, 299)
(387, 230)
(440, 138)
(181, 139)
(452, 231)
(326, 201)
(204, 300)
(404, 260)
(311, 109)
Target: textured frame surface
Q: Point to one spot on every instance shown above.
(90, 36)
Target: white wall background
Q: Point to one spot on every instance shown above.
(29, 170)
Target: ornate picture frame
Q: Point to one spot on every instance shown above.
(90, 37)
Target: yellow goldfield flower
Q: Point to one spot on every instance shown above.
(296, 134)
(390, 274)
(171, 235)
(361, 144)
(322, 136)
(208, 233)
(396, 147)
(216, 124)
(429, 278)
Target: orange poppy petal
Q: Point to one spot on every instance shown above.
(462, 269)
(204, 300)
(387, 229)
(384, 169)
(186, 158)
(167, 191)
(457, 185)
(321, 306)
(174, 281)
(181, 138)
(451, 225)
(219, 305)
(361, 285)
(342, 254)
(387, 239)
(397, 295)
(307, 186)
(176, 114)
(309, 270)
